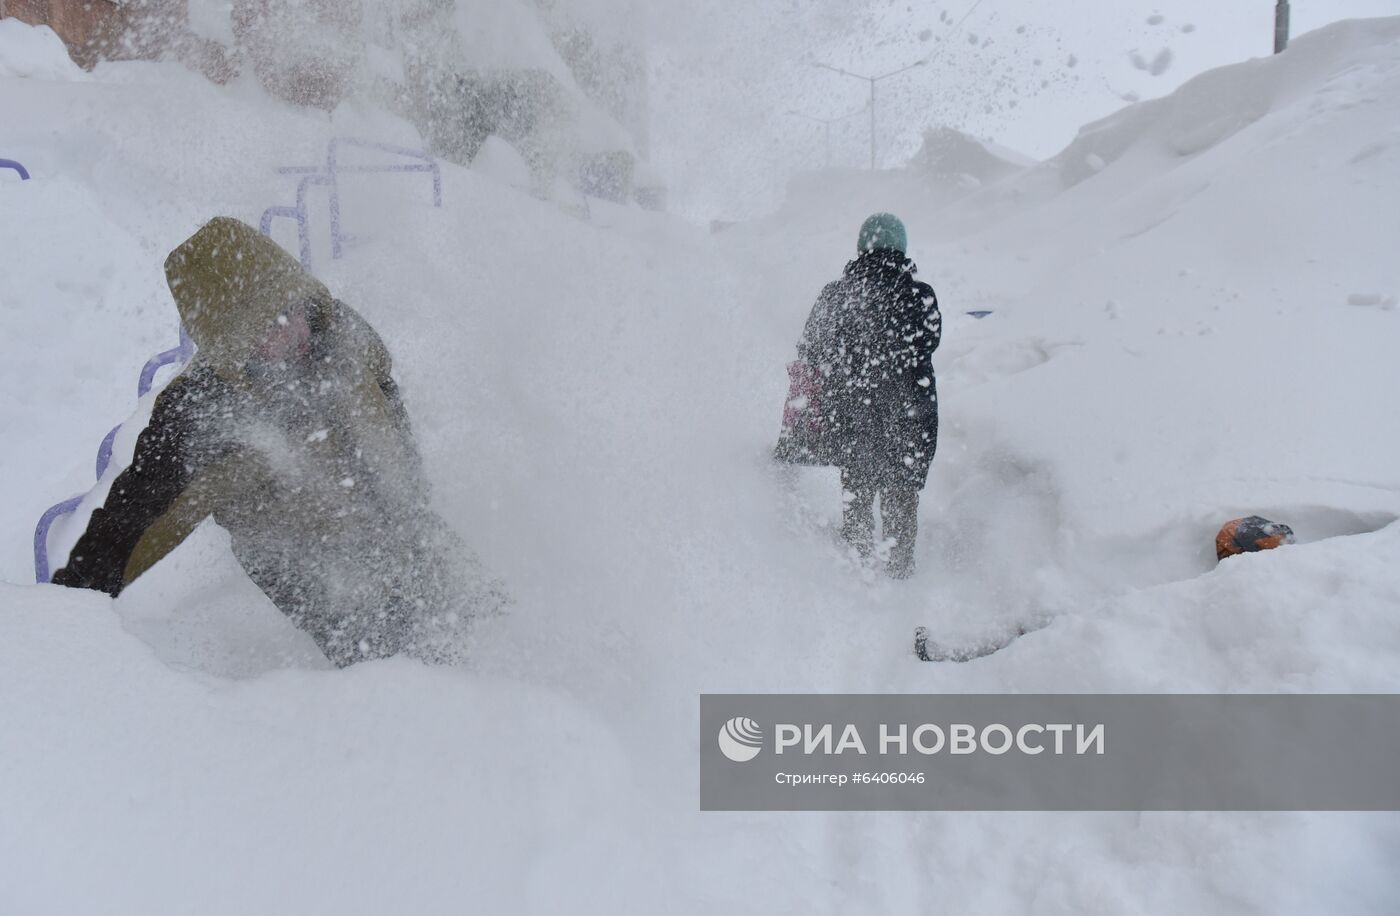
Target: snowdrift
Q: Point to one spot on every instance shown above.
(1171, 344)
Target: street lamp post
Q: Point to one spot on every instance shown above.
(826, 124)
(872, 80)
(1282, 15)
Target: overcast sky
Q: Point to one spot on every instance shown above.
(1026, 73)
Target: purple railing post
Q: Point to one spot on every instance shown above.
(12, 164)
(299, 213)
(179, 354)
(104, 451)
(330, 177)
(41, 536)
(305, 224)
(334, 169)
(272, 213)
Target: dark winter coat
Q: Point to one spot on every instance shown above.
(313, 471)
(871, 336)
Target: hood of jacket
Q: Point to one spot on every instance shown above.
(230, 282)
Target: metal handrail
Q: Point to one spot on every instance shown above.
(300, 214)
(329, 176)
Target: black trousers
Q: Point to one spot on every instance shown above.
(899, 511)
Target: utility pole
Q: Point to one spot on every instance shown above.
(1281, 26)
(826, 124)
(872, 80)
(872, 132)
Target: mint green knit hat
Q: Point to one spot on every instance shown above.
(883, 230)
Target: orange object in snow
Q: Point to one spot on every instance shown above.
(1250, 535)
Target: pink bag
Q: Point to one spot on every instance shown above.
(802, 410)
(801, 438)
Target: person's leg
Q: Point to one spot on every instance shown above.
(899, 509)
(858, 513)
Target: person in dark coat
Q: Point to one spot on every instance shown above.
(870, 341)
(288, 430)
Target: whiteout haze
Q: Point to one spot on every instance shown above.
(1189, 323)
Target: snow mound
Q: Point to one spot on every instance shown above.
(1217, 105)
(176, 775)
(502, 162)
(949, 155)
(34, 52)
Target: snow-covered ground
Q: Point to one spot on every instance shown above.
(1175, 341)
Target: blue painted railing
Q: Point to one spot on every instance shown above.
(11, 164)
(328, 176)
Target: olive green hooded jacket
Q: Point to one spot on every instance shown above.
(311, 467)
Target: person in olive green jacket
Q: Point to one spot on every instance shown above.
(288, 430)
